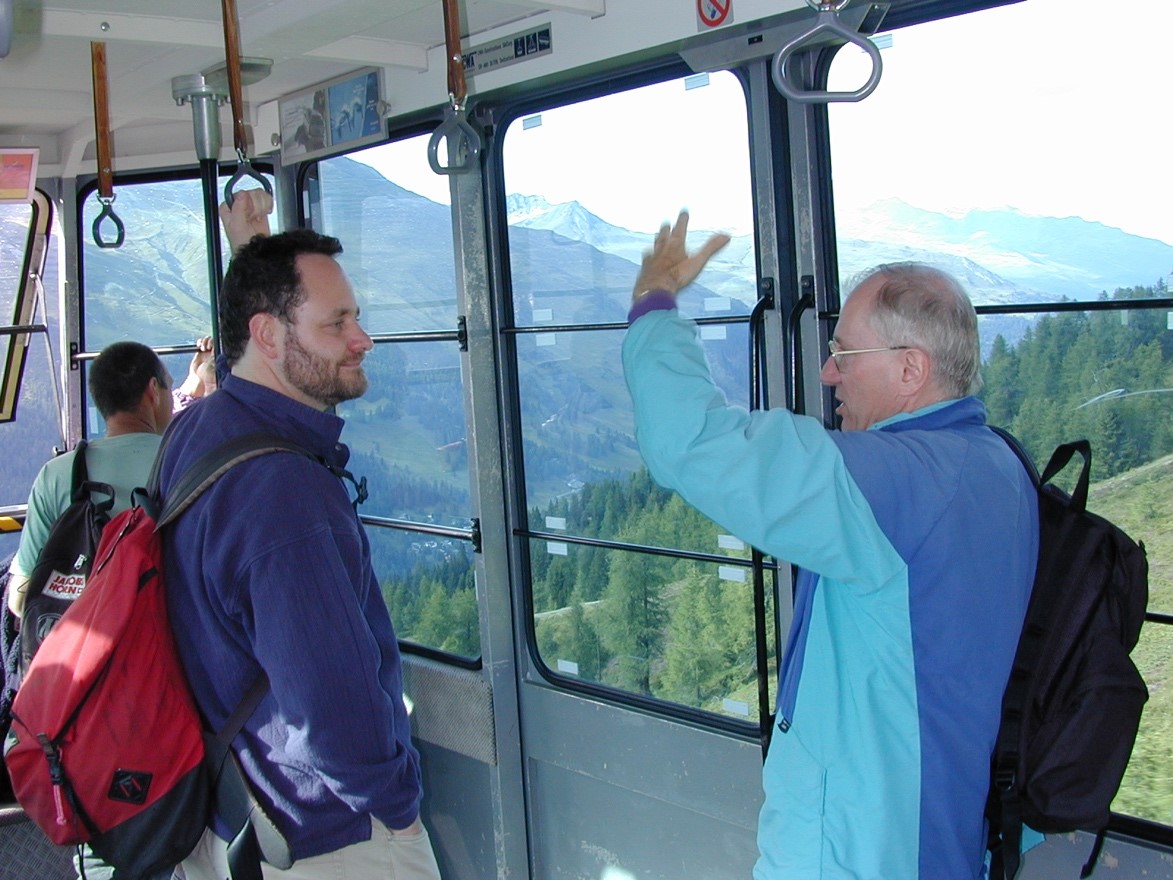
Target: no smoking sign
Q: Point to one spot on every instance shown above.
(713, 13)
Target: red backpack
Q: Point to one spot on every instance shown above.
(107, 746)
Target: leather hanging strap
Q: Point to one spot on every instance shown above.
(232, 60)
(244, 167)
(457, 87)
(102, 120)
(102, 144)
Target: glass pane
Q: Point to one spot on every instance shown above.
(1146, 791)
(428, 584)
(998, 172)
(154, 288)
(14, 230)
(575, 239)
(576, 424)
(29, 439)
(1103, 376)
(407, 434)
(627, 620)
(674, 629)
(397, 244)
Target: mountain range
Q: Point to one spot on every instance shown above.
(566, 265)
(1002, 257)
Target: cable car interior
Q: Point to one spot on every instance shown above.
(590, 664)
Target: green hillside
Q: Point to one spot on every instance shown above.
(1141, 502)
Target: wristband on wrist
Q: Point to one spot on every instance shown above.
(650, 301)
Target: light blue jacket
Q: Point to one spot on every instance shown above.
(918, 541)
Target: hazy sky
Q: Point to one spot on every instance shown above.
(1092, 137)
(948, 129)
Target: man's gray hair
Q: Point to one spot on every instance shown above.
(926, 308)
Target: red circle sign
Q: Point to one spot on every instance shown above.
(713, 12)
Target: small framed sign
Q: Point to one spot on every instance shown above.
(332, 117)
(18, 174)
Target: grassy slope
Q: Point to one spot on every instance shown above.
(1141, 503)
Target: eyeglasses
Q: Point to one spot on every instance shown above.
(837, 352)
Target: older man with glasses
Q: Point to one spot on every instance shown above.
(916, 534)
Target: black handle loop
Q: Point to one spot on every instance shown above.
(107, 213)
(244, 168)
(464, 142)
(1059, 460)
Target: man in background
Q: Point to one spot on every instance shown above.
(131, 388)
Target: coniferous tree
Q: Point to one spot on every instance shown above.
(632, 619)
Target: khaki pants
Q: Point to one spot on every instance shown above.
(385, 856)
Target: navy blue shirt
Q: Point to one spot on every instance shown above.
(270, 569)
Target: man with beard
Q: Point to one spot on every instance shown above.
(270, 571)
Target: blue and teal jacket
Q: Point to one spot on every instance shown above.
(917, 542)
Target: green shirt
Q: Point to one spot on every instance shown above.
(123, 461)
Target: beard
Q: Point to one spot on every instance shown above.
(319, 378)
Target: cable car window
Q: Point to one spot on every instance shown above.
(407, 434)
(588, 185)
(397, 242)
(14, 235)
(1042, 182)
(155, 287)
(31, 396)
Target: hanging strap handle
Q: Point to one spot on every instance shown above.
(463, 139)
(457, 85)
(102, 142)
(244, 167)
(827, 22)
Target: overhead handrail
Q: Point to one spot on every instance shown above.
(244, 167)
(828, 23)
(463, 139)
(102, 143)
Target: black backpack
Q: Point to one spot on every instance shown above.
(1072, 706)
(64, 562)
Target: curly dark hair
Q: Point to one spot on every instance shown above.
(263, 277)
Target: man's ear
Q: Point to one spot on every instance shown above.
(917, 370)
(153, 392)
(267, 333)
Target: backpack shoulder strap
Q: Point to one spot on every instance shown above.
(1020, 451)
(1003, 804)
(82, 487)
(214, 464)
(79, 474)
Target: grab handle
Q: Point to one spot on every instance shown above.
(462, 135)
(107, 213)
(244, 168)
(827, 22)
